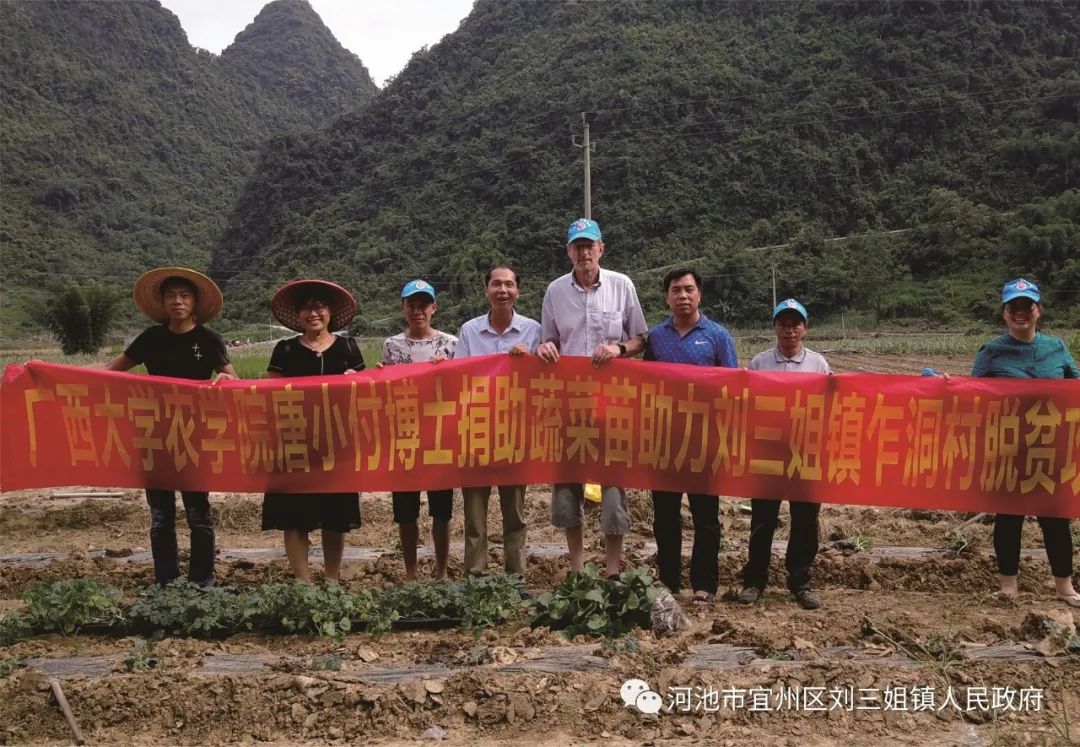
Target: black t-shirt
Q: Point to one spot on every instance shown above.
(291, 358)
(193, 355)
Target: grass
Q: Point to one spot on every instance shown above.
(249, 361)
(861, 542)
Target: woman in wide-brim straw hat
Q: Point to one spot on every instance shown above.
(315, 309)
(1024, 352)
(179, 300)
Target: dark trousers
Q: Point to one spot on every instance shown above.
(163, 536)
(667, 528)
(1056, 537)
(802, 545)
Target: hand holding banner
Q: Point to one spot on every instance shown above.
(995, 445)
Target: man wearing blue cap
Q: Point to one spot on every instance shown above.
(790, 322)
(595, 313)
(418, 343)
(1024, 352)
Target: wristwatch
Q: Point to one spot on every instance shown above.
(622, 350)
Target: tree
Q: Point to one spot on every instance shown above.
(81, 320)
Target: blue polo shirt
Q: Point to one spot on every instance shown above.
(707, 344)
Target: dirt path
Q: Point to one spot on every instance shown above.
(903, 614)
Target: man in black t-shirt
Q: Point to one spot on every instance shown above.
(179, 300)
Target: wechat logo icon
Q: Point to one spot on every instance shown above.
(637, 694)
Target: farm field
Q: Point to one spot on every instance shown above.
(908, 607)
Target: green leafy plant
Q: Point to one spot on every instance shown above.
(587, 603)
(487, 601)
(303, 608)
(9, 666)
(183, 608)
(72, 604)
(141, 656)
(14, 626)
(432, 600)
(627, 644)
(861, 542)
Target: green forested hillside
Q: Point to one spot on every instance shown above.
(722, 129)
(293, 57)
(123, 147)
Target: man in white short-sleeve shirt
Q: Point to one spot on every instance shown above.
(790, 322)
(501, 331)
(596, 313)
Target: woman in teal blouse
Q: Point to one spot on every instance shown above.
(1025, 353)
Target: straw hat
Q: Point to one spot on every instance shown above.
(147, 294)
(285, 300)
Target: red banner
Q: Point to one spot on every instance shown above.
(997, 445)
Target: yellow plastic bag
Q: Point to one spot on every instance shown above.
(592, 492)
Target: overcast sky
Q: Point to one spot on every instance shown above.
(382, 33)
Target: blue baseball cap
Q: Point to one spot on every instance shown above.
(1019, 288)
(790, 305)
(583, 228)
(414, 287)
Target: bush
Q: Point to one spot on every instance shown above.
(183, 608)
(81, 320)
(72, 604)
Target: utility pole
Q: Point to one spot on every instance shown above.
(587, 148)
(773, 265)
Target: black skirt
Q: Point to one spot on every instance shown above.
(338, 512)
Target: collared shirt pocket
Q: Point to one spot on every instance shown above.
(612, 324)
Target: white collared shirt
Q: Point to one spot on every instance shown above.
(477, 337)
(579, 319)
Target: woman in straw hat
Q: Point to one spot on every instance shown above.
(315, 309)
(1024, 352)
(180, 301)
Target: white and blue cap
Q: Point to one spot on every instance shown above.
(583, 228)
(790, 304)
(414, 287)
(1019, 288)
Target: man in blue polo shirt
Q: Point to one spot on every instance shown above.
(688, 336)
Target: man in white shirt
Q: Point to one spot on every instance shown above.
(790, 322)
(595, 313)
(501, 331)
